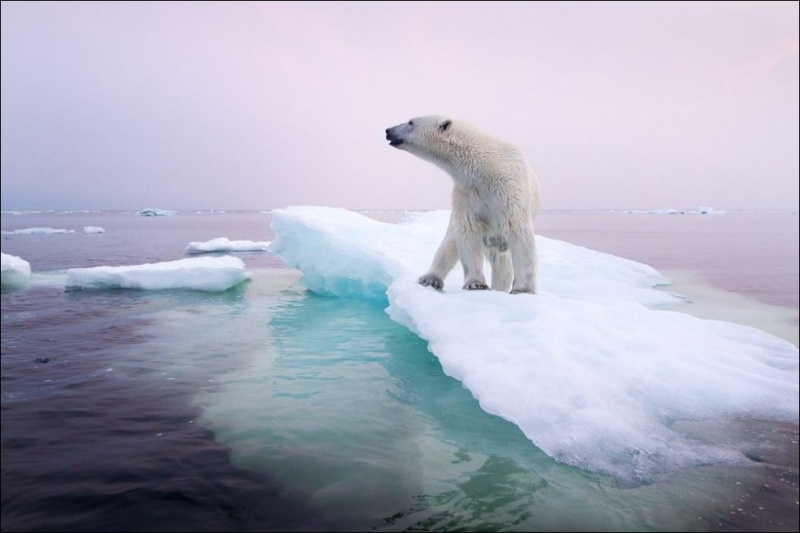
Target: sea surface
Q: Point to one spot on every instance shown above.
(268, 408)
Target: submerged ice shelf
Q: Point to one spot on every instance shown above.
(594, 369)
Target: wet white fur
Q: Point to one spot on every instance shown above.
(494, 203)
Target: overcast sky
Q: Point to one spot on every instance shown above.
(201, 105)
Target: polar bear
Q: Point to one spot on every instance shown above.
(495, 200)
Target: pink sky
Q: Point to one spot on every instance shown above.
(256, 105)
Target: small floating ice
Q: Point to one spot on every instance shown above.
(212, 274)
(31, 231)
(15, 271)
(223, 244)
(151, 212)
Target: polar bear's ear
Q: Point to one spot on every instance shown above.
(445, 125)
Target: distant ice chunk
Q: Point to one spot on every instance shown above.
(93, 229)
(14, 271)
(33, 231)
(702, 210)
(593, 369)
(152, 212)
(223, 244)
(212, 274)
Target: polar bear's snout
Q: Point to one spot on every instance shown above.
(393, 137)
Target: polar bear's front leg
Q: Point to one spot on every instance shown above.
(443, 262)
(471, 252)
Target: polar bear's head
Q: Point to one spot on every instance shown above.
(428, 137)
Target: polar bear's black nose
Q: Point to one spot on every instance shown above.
(393, 139)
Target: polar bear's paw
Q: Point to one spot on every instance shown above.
(523, 291)
(475, 285)
(431, 280)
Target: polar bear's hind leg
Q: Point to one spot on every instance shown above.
(502, 274)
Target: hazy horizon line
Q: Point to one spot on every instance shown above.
(698, 209)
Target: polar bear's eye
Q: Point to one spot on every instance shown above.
(444, 125)
(410, 122)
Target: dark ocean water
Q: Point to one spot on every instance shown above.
(266, 408)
